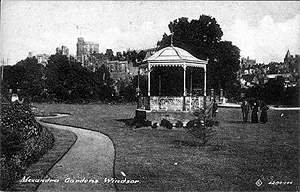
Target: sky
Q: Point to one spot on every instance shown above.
(262, 30)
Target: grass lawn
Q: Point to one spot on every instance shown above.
(237, 157)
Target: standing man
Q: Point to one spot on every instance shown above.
(245, 110)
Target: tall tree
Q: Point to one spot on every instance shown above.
(109, 54)
(197, 36)
(26, 75)
(141, 56)
(132, 56)
(69, 81)
(223, 69)
(202, 38)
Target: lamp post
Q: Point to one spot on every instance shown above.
(138, 89)
(138, 83)
(221, 96)
(212, 94)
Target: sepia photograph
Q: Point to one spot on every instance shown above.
(149, 96)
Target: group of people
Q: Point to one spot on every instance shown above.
(254, 107)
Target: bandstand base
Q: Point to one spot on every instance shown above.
(158, 116)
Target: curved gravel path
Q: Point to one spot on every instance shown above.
(85, 166)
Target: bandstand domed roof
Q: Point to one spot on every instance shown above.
(174, 55)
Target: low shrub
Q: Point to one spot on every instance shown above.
(165, 123)
(148, 123)
(178, 124)
(141, 123)
(211, 123)
(201, 129)
(154, 125)
(200, 113)
(130, 122)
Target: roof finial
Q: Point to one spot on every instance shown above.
(172, 38)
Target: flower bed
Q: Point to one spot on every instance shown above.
(23, 141)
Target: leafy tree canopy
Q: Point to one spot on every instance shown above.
(26, 75)
(202, 38)
(69, 81)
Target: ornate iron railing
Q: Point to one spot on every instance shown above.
(144, 103)
(156, 103)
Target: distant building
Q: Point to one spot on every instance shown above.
(118, 69)
(42, 59)
(133, 70)
(246, 62)
(251, 73)
(292, 62)
(63, 50)
(85, 49)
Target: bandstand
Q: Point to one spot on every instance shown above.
(160, 103)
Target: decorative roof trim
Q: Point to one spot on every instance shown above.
(177, 65)
(146, 65)
(167, 64)
(203, 62)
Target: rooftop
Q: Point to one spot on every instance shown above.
(173, 54)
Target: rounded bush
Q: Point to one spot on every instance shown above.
(154, 125)
(147, 123)
(200, 129)
(165, 123)
(178, 124)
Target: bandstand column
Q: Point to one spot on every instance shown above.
(191, 84)
(149, 80)
(205, 81)
(204, 102)
(184, 80)
(184, 86)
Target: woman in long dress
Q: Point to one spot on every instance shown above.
(264, 114)
(254, 117)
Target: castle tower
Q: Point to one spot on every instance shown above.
(287, 57)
